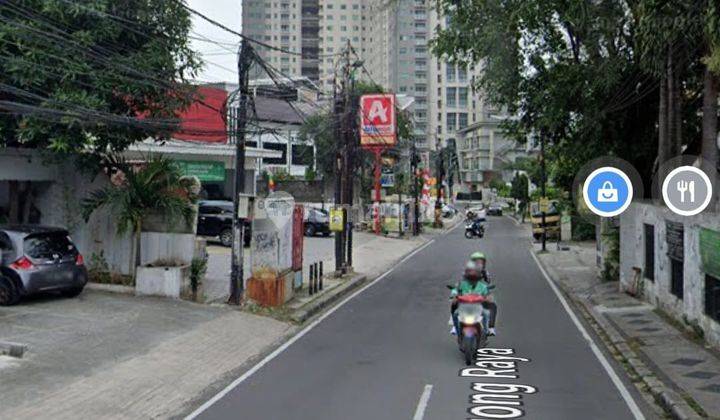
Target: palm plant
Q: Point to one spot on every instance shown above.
(157, 188)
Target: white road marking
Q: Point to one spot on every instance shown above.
(296, 337)
(632, 405)
(423, 403)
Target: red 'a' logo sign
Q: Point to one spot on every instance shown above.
(378, 127)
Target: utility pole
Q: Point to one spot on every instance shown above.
(236, 266)
(416, 206)
(542, 187)
(338, 110)
(440, 189)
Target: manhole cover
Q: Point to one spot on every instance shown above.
(686, 362)
(699, 374)
(711, 388)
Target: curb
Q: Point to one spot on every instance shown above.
(16, 350)
(669, 400)
(310, 309)
(112, 288)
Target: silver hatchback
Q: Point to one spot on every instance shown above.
(38, 259)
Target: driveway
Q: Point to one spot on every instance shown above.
(82, 350)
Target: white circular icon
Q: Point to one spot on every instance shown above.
(607, 191)
(687, 190)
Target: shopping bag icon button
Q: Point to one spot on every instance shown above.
(608, 193)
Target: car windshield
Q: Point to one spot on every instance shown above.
(48, 246)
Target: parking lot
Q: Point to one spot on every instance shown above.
(85, 346)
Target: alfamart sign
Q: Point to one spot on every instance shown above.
(379, 127)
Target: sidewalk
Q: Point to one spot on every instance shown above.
(682, 375)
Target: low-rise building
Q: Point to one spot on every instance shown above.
(673, 263)
(485, 153)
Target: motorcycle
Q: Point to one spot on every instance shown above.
(471, 334)
(473, 229)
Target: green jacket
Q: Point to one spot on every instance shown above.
(466, 288)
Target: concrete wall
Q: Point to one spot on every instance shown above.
(632, 254)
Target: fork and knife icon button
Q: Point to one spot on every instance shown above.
(685, 186)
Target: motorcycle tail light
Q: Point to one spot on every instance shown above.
(22, 264)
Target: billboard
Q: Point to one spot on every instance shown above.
(378, 128)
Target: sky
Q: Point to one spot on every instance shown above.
(220, 60)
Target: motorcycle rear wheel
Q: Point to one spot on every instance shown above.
(469, 234)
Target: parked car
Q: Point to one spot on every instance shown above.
(316, 221)
(215, 218)
(448, 210)
(39, 259)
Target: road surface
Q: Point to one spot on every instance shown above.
(387, 354)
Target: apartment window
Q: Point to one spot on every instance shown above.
(462, 97)
(420, 74)
(450, 73)
(343, 17)
(420, 88)
(712, 297)
(355, 7)
(462, 75)
(329, 6)
(343, 28)
(451, 97)
(343, 7)
(649, 252)
(675, 233)
(403, 50)
(451, 122)
(329, 17)
(329, 27)
(462, 120)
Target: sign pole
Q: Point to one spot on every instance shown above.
(378, 166)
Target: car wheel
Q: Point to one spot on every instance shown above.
(326, 234)
(71, 293)
(226, 237)
(8, 292)
(309, 230)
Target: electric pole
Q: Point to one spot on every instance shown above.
(416, 207)
(440, 189)
(339, 167)
(543, 181)
(236, 266)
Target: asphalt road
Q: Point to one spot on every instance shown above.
(387, 354)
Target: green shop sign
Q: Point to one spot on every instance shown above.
(710, 252)
(204, 171)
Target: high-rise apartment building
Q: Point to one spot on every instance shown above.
(278, 23)
(455, 104)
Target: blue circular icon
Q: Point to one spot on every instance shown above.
(607, 191)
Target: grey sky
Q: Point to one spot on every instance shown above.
(220, 60)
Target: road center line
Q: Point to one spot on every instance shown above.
(632, 405)
(423, 403)
(298, 336)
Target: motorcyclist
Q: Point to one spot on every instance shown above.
(480, 261)
(470, 284)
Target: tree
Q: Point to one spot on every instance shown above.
(320, 128)
(568, 70)
(157, 188)
(611, 77)
(519, 191)
(92, 76)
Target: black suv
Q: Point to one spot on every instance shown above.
(215, 220)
